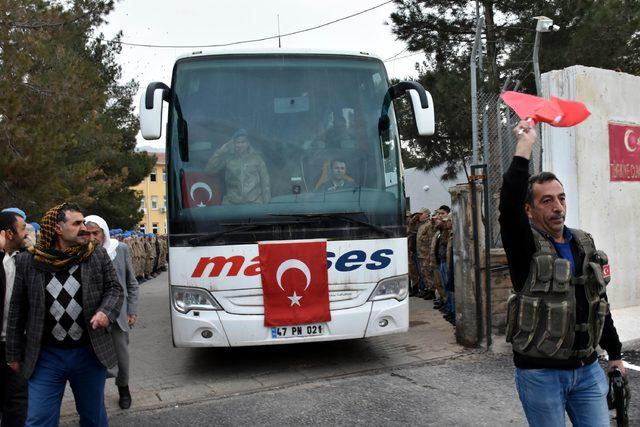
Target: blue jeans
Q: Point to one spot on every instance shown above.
(442, 269)
(547, 393)
(85, 373)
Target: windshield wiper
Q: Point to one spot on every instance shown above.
(244, 227)
(341, 217)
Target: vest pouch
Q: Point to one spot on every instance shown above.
(561, 275)
(512, 317)
(544, 273)
(527, 321)
(601, 258)
(556, 325)
(600, 285)
(601, 311)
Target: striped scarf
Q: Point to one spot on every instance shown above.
(46, 256)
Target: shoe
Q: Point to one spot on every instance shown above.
(420, 294)
(438, 304)
(125, 397)
(429, 295)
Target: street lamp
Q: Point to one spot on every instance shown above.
(544, 25)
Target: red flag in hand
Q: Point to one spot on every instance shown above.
(556, 112)
(295, 283)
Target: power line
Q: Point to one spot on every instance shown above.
(245, 41)
(402, 57)
(393, 56)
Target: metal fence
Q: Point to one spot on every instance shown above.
(494, 142)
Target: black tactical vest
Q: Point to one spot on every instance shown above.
(541, 318)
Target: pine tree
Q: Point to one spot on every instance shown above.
(592, 33)
(67, 128)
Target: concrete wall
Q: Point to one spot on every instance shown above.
(463, 265)
(580, 157)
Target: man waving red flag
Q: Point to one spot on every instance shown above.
(295, 282)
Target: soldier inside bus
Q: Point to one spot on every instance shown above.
(245, 173)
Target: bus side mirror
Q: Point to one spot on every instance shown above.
(151, 110)
(424, 115)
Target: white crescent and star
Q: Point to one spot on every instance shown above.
(295, 299)
(297, 265)
(627, 134)
(205, 187)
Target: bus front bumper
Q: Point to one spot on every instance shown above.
(222, 329)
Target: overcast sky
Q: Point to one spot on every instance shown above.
(200, 22)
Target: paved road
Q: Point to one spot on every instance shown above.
(420, 378)
(474, 390)
(162, 375)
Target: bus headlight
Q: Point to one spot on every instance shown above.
(392, 287)
(187, 299)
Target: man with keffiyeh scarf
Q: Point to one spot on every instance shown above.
(66, 294)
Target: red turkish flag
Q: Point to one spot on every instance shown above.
(200, 189)
(295, 283)
(555, 112)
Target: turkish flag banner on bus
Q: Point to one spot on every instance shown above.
(295, 282)
(200, 189)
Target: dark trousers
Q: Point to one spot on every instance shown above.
(13, 394)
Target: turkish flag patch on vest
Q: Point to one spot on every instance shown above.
(606, 271)
(295, 282)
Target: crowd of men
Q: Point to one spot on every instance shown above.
(431, 259)
(68, 298)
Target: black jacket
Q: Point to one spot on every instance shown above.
(519, 245)
(3, 288)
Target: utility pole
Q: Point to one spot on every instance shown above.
(543, 25)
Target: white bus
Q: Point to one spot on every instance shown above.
(301, 111)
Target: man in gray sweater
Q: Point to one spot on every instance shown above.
(122, 263)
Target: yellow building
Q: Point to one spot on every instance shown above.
(154, 201)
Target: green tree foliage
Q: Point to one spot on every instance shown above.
(67, 128)
(593, 33)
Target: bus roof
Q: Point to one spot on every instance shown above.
(273, 51)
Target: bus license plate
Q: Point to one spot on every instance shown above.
(297, 331)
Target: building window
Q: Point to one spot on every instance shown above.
(153, 177)
(154, 202)
(164, 174)
(164, 202)
(154, 228)
(165, 227)
(143, 205)
(142, 228)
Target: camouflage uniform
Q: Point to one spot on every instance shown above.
(423, 245)
(148, 257)
(440, 240)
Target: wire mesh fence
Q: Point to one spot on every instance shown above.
(496, 147)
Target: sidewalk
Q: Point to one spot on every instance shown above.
(627, 322)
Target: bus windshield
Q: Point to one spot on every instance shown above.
(267, 138)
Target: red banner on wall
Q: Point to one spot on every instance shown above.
(624, 152)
